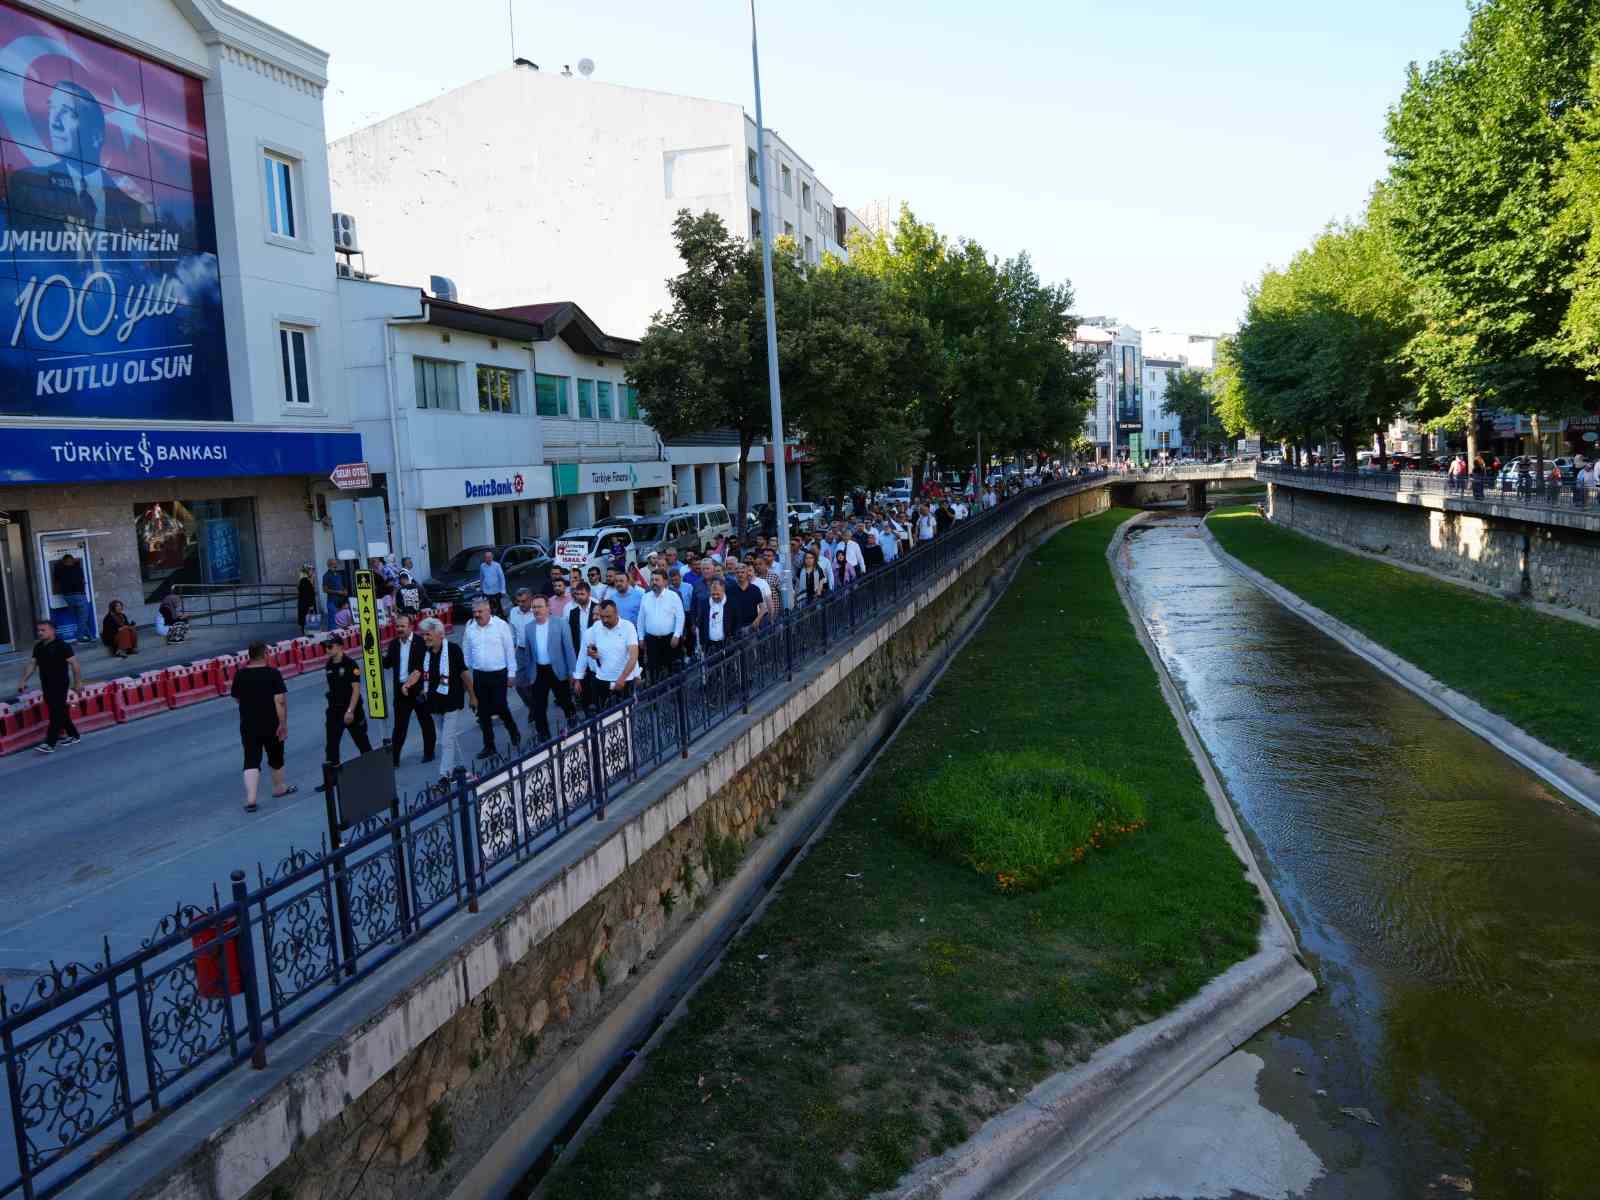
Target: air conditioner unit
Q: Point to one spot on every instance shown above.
(442, 287)
(343, 270)
(344, 234)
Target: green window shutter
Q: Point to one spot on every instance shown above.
(550, 393)
(631, 393)
(603, 387)
(586, 398)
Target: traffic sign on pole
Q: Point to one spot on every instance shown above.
(371, 655)
(349, 477)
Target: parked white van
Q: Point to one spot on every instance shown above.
(580, 549)
(711, 518)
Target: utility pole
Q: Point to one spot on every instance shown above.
(780, 465)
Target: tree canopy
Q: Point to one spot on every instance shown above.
(1473, 278)
(912, 348)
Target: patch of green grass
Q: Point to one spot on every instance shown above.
(891, 999)
(1446, 630)
(1019, 819)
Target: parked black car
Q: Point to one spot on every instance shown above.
(527, 565)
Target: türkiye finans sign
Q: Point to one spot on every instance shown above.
(110, 303)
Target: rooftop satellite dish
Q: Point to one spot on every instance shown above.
(586, 67)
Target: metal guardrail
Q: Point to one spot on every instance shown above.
(1523, 490)
(237, 604)
(96, 1053)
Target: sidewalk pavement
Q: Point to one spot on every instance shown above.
(204, 641)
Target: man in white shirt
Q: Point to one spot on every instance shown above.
(926, 525)
(888, 542)
(610, 660)
(960, 509)
(491, 655)
(547, 643)
(599, 589)
(661, 626)
(852, 553)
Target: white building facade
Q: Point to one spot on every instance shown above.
(579, 198)
(498, 426)
(172, 396)
(1116, 419)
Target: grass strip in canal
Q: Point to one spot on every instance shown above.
(1455, 634)
(928, 962)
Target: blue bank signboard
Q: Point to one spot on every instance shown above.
(106, 455)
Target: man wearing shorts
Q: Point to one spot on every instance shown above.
(263, 722)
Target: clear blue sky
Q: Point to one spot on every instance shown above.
(1155, 153)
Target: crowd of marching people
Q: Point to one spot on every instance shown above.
(600, 634)
(603, 632)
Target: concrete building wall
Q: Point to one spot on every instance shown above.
(527, 184)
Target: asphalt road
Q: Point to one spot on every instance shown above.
(103, 838)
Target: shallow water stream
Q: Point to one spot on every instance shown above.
(1447, 901)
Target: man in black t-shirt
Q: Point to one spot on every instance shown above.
(345, 709)
(263, 722)
(57, 664)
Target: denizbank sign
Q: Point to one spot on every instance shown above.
(490, 489)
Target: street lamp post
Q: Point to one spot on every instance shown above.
(779, 446)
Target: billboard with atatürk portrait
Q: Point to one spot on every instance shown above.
(109, 293)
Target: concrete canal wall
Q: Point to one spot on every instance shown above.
(465, 1057)
(1554, 561)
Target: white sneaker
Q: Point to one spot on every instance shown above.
(71, 741)
(44, 748)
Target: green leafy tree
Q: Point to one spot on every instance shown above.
(852, 356)
(1004, 369)
(1320, 352)
(1476, 208)
(1188, 397)
(703, 363)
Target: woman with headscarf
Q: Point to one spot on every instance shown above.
(119, 634)
(305, 599)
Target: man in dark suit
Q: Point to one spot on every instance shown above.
(447, 690)
(404, 660)
(582, 612)
(75, 187)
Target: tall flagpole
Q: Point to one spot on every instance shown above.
(780, 466)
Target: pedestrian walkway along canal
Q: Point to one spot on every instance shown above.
(1448, 902)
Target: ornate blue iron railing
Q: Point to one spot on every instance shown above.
(94, 1053)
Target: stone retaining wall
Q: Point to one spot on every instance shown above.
(403, 1102)
(1548, 563)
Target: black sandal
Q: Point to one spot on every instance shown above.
(288, 791)
(250, 808)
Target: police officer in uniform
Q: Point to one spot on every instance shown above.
(345, 707)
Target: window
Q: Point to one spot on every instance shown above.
(754, 167)
(586, 398)
(195, 541)
(755, 224)
(295, 350)
(498, 391)
(550, 395)
(436, 384)
(603, 390)
(788, 181)
(630, 397)
(811, 250)
(805, 196)
(788, 230)
(278, 173)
